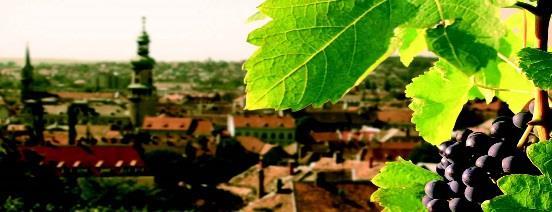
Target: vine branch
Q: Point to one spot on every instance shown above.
(528, 7)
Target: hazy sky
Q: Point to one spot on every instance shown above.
(107, 29)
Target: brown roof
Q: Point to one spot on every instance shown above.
(250, 179)
(166, 123)
(325, 136)
(86, 95)
(395, 115)
(352, 196)
(253, 144)
(272, 202)
(204, 127)
(264, 121)
(362, 170)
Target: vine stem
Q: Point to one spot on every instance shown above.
(541, 113)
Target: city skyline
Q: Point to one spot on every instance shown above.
(92, 31)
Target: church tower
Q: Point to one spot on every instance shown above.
(27, 78)
(143, 94)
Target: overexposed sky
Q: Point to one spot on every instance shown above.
(107, 29)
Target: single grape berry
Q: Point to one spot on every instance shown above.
(516, 164)
(461, 205)
(474, 176)
(478, 142)
(456, 188)
(500, 150)
(502, 129)
(455, 152)
(437, 205)
(440, 169)
(437, 189)
(462, 135)
(442, 147)
(502, 118)
(487, 163)
(445, 162)
(453, 172)
(426, 200)
(521, 119)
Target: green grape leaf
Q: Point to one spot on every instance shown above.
(468, 34)
(413, 43)
(315, 51)
(258, 16)
(524, 192)
(401, 186)
(437, 98)
(537, 65)
(517, 89)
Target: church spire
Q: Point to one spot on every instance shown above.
(27, 77)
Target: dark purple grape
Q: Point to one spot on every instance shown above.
(500, 150)
(502, 129)
(437, 205)
(426, 200)
(475, 176)
(456, 188)
(445, 162)
(442, 147)
(462, 135)
(453, 172)
(516, 164)
(521, 119)
(455, 152)
(488, 164)
(461, 205)
(437, 189)
(478, 142)
(502, 118)
(477, 194)
(440, 169)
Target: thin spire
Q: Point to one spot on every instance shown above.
(27, 55)
(143, 23)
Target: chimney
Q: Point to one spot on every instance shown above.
(279, 186)
(338, 157)
(261, 178)
(291, 165)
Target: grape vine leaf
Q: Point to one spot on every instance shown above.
(524, 192)
(467, 34)
(401, 186)
(537, 65)
(413, 43)
(315, 51)
(437, 98)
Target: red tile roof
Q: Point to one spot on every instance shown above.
(353, 197)
(166, 123)
(204, 127)
(95, 157)
(395, 115)
(362, 170)
(326, 136)
(264, 121)
(253, 144)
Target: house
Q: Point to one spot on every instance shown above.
(334, 196)
(88, 161)
(271, 128)
(176, 126)
(271, 154)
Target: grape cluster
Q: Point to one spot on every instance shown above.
(473, 161)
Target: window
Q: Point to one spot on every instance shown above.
(272, 135)
(263, 136)
(281, 135)
(290, 136)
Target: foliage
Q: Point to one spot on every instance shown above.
(524, 192)
(314, 51)
(401, 186)
(537, 65)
